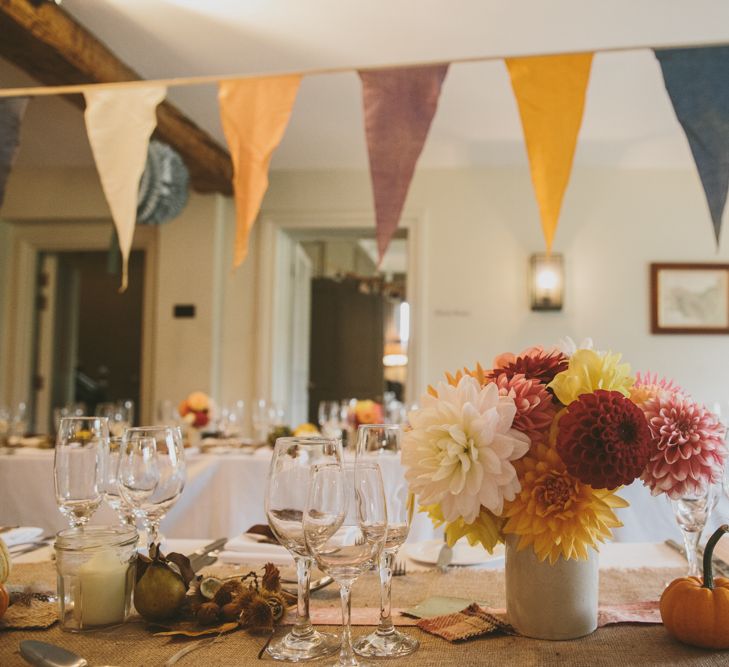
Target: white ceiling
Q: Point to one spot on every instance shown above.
(628, 118)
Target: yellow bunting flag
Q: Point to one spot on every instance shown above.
(119, 124)
(550, 92)
(255, 113)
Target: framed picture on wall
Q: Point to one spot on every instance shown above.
(689, 298)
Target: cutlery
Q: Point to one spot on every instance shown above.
(719, 565)
(199, 557)
(445, 556)
(399, 569)
(314, 586)
(42, 654)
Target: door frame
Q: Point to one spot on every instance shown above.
(276, 229)
(26, 240)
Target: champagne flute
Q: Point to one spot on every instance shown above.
(345, 526)
(170, 462)
(285, 501)
(377, 442)
(692, 511)
(77, 466)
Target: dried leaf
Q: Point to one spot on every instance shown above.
(192, 629)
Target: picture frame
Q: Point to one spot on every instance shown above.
(689, 298)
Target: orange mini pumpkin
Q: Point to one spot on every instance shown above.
(4, 600)
(697, 613)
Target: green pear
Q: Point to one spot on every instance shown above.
(159, 592)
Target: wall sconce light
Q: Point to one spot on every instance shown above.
(546, 281)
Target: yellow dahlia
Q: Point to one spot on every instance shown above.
(555, 513)
(485, 530)
(588, 371)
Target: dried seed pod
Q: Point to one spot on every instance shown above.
(230, 589)
(208, 614)
(231, 611)
(258, 615)
(271, 577)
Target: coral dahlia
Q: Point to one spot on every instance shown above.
(555, 512)
(535, 408)
(535, 363)
(688, 450)
(460, 449)
(649, 385)
(603, 439)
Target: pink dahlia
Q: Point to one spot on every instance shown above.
(688, 449)
(649, 385)
(604, 439)
(535, 363)
(535, 409)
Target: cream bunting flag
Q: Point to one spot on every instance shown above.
(255, 113)
(119, 124)
(399, 105)
(550, 92)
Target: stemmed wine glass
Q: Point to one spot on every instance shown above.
(692, 511)
(375, 442)
(285, 501)
(77, 466)
(152, 453)
(345, 526)
(110, 482)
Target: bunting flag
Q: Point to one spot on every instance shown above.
(255, 113)
(399, 105)
(550, 92)
(119, 124)
(696, 81)
(12, 110)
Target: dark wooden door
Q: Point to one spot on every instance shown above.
(347, 343)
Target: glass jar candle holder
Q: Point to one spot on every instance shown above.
(95, 567)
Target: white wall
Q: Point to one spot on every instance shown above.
(480, 227)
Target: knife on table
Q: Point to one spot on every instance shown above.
(202, 556)
(445, 556)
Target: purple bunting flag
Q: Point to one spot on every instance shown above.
(11, 117)
(697, 83)
(399, 105)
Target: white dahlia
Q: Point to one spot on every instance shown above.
(459, 451)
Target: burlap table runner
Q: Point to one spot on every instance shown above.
(619, 645)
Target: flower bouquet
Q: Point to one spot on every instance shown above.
(196, 411)
(533, 452)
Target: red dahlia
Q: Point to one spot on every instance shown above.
(534, 363)
(604, 439)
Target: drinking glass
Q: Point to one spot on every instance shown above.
(330, 417)
(118, 416)
(287, 489)
(261, 420)
(375, 443)
(345, 526)
(692, 512)
(110, 483)
(170, 461)
(232, 418)
(77, 466)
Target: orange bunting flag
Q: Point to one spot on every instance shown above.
(550, 92)
(399, 105)
(119, 124)
(255, 113)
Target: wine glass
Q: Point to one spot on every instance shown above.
(77, 466)
(110, 483)
(118, 416)
(692, 511)
(345, 526)
(330, 418)
(170, 463)
(285, 501)
(261, 418)
(376, 442)
(232, 418)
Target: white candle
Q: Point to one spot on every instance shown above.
(101, 593)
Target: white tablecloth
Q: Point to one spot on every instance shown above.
(224, 497)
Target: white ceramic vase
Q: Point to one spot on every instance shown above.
(550, 601)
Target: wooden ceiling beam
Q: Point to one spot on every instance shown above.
(48, 44)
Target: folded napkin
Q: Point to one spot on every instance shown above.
(243, 549)
(20, 535)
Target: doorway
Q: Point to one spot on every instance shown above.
(88, 342)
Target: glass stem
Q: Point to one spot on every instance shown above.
(346, 654)
(691, 544)
(386, 561)
(303, 627)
